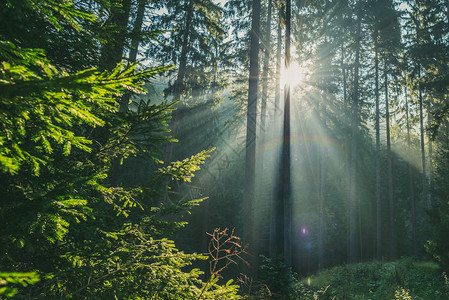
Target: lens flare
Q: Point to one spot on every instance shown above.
(294, 75)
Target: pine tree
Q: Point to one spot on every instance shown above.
(85, 237)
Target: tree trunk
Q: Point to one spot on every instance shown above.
(277, 103)
(423, 153)
(378, 202)
(124, 102)
(111, 55)
(286, 158)
(429, 144)
(277, 106)
(352, 238)
(179, 83)
(112, 51)
(321, 195)
(343, 67)
(282, 209)
(251, 124)
(263, 112)
(137, 29)
(393, 249)
(410, 177)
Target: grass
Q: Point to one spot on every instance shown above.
(402, 279)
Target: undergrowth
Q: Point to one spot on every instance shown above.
(404, 279)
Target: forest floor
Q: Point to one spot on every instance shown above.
(402, 279)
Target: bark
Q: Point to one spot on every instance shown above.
(112, 51)
(343, 67)
(111, 55)
(282, 207)
(124, 102)
(137, 29)
(352, 238)
(277, 103)
(423, 153)
(410, 177)
(321, 195)
(273, 231)
(286, 158)
(378, 202)
(429, 144)
(179, 83)
(393, 249)
(251, 118)
(266, 61)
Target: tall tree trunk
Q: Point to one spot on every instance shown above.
(179, 83)
(111, 55)
(393, 249)
(266, 61)
(286, 157)
(282, 209)
(137, 29)
(352, 238)
(423, 153)
(343, 66)
(251, 118)
(378, 202)
(429, 145)
(347, 119)
(277, 112)
(124, 102)
(277, 103)
(410, 178)
(321, 195)
(112, 51)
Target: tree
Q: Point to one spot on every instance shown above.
(410, 175)
(265, 73)
(116, 24)
(251, 123)
(352, 238)
(82, 235)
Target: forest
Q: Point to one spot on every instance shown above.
(224, 149)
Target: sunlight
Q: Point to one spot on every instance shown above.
(294, 76)
(405, 7)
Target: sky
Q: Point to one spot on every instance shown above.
(221, 2)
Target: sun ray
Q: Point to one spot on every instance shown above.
(294, 76)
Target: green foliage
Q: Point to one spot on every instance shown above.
(404, 279)
(10, 282)
(41, 104)
(438, 244)
(277, 281)
(184, 170)
(132, 265)
(45, 113)
(277, 277)
(53, 11)
(63, 215)
(205, 36)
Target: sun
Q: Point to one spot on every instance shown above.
(294, 76)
